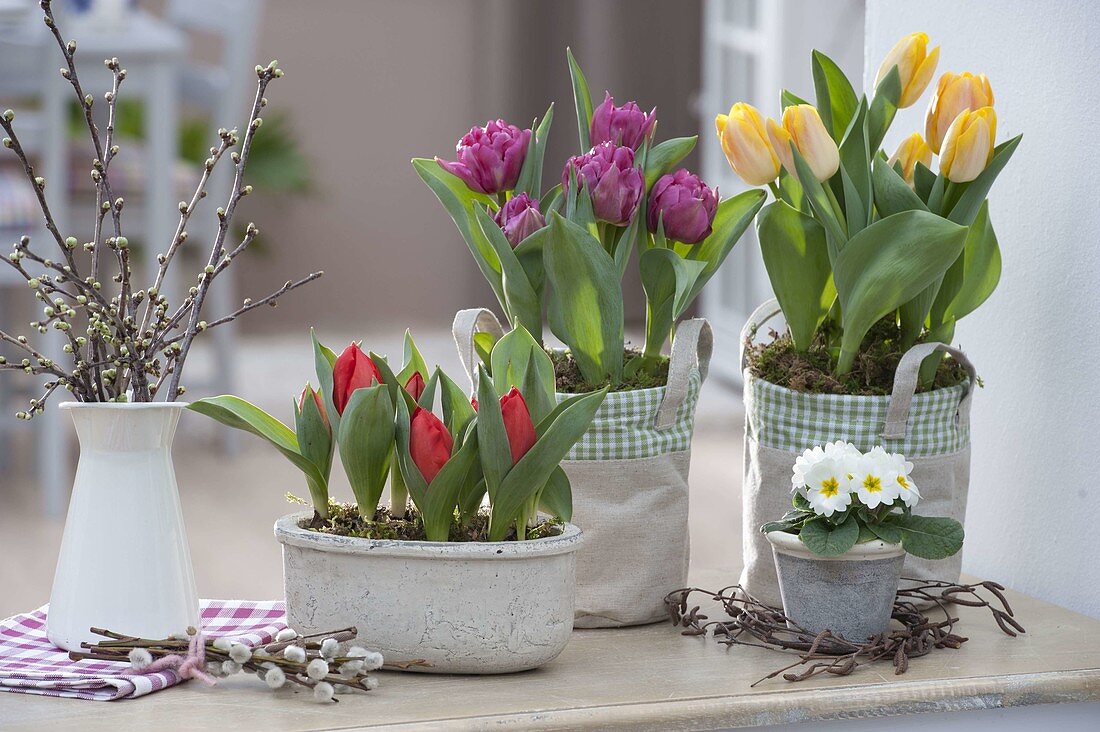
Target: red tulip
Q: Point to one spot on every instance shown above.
(316, 400)
(473, 403)
(517, 423)
(353, 370)
(415, 385)
(430, 443)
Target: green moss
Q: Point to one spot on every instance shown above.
(344, 520)
(811, 372)
(570, 380)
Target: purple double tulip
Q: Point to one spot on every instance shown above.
(684, 204)
(626, 125)
(519, 218)
(614, 184)
(490, 158)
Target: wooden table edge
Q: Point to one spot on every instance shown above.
(788, 705)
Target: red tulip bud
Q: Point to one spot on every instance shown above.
(353, 370)
(316, 400)
(473, 403)
(415, 385)
(429, 443)
(517, 423)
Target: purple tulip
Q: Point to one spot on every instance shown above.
(685, 206)
(625, 125)
(614, 184)
(519, 218)
(490, 158)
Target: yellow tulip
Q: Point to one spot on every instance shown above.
(954, 93)
(915, 66)
(803, 126)
(968, 145)
(745, 143)
(912, 150)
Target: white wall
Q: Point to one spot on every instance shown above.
(1034, 498)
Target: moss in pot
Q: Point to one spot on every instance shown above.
(474, 552)
(839, 551)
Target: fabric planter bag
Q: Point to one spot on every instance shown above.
(932, 430)
(629, 476)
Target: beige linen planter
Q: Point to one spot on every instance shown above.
(932, 429)
(629, 477)
(463, 607)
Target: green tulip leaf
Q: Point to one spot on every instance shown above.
(788, 98)
(389, 379)
(534, 469)
(886, 265)
(520, 299)
(892, 194)
(970, 202)
(496, 455)
(667, 279)
(582, 99)
(733, 217)
(366, 445)
(825, 540)
(324, 360)
(459, 201)
(556, 498)
(516, 354)
(975, 274)
(855, 172)
(588, 298)
(923, 180)
(314, 436)
(884, 105)
(796, 258)
(237, 413)
(836, 99)
(822, 207)
(930, 537)
(530, 176)
(664, 156)
(457, 409)
(413, 360)
(483, 345)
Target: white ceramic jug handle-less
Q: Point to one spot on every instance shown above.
(124, 563)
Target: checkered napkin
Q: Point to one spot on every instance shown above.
(30, 664)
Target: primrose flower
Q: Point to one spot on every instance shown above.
(826, 487)
(900, 474)
(872, 480)
(841, 451)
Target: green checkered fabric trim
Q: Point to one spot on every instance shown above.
(623, 428)
(789, 420)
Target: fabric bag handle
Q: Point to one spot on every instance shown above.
(467, 324)
(692, 347)
(905, 386)
(763, 313)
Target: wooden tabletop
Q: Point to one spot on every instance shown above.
(639, 678)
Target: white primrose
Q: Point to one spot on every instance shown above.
(872, 478)
(900, 474)
(827, 486)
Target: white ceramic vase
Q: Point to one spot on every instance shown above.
(124, 563)
(463, 607)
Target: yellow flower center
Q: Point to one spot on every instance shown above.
(830, 487)
(903, 482)
(872, 484)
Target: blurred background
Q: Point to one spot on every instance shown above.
(372, 83)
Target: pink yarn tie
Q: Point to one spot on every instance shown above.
(188, 666)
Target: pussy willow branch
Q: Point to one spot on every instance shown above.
(749, 622)
(125, 348)
(225, 216)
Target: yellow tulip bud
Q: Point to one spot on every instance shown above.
(954, 93)
(968, 145)
(915, 66)
(745, 143)
(803, 126)
(912, 150)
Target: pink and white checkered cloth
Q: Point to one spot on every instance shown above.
(30, 664)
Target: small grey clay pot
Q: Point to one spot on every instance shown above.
(851, 594)
(464, 607)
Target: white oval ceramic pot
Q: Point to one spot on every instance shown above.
(124, 563)
(463, 607)
(851, 594)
